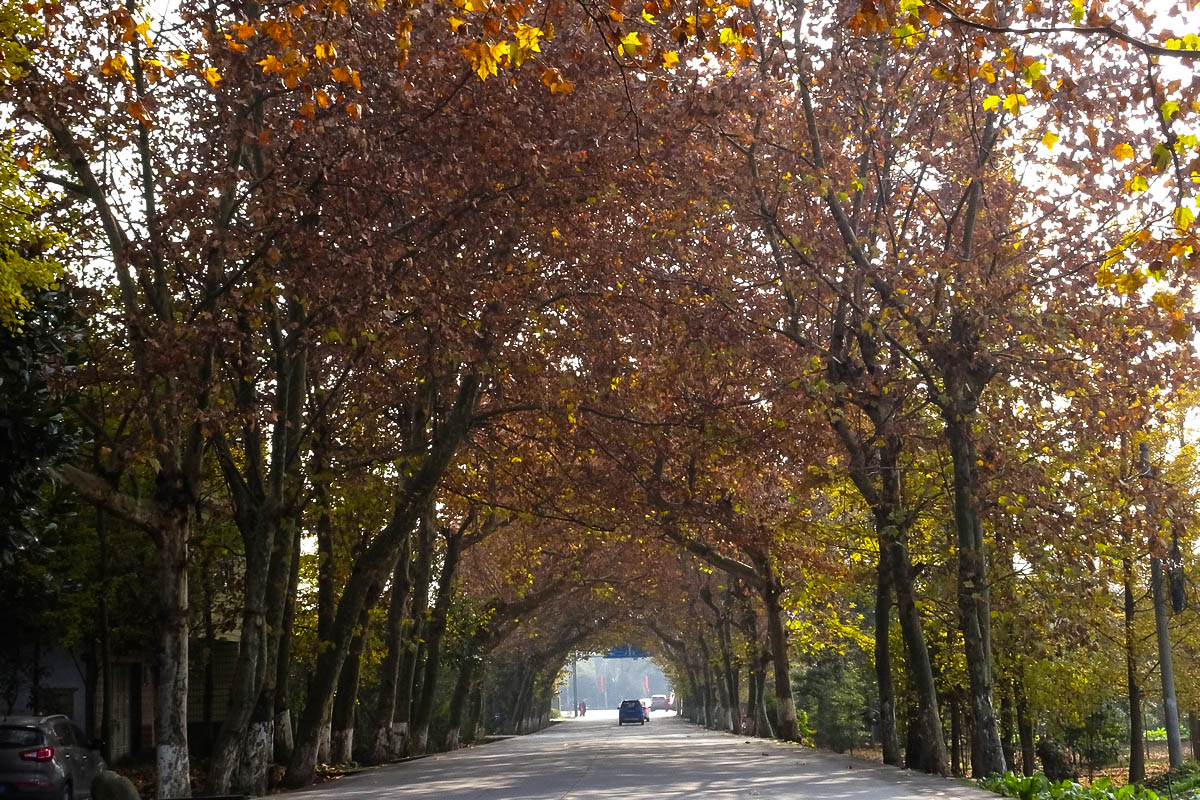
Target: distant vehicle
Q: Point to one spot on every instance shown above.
(632, 711)
(47, 758)
(659, 702)
(646, 708)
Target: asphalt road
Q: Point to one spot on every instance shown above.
(594, 759)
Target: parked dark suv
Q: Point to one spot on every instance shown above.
(46, 758)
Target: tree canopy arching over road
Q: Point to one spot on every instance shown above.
(423, 344)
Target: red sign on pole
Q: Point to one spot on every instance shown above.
(647, 684)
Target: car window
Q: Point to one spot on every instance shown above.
(62, 732)
(14, 736)
(630, 704)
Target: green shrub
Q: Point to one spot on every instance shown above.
(1039, 787)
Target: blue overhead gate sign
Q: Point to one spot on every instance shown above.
(626, 651)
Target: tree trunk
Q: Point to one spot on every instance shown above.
(229, 752)
(1194, 734)
(341, 741)
(1166, 664)
(883, 660)
(1007, 729)
(475, 715)
(433, 641)
(409, 691)
(173, 766)
(459, 700)
(106, 654)
(368, 575)
(283, 672)
(785, 704)
(1025, 729)
(383, 748)
(956, 759)
(987, 755)
(1137, 724)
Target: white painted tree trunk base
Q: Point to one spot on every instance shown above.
(342, 746)
(284, 741)
(323, 745)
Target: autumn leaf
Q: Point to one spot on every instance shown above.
(557, 84)
(212, 76)
(990, 102)
(325, 51)
(138, 112)
(1136, 184)
(1123, 151)
(341, 74)
(1015, 102)
(477, 6)
(1183, 217)
(456, 23)
(988, 72)
(629, 44)
(670, 59)
(1049, 140)
(245, 30)
(1169, 109)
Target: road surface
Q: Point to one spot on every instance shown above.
(594, 759)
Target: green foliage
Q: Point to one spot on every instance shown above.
(835, 694)
(15, 23)
(1160, 734)
(26, 267)
(1184, 782)
(33, 430)
(1039, 787)
(1102, 736)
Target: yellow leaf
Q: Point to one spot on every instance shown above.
(325, 51)
(990, 102)
(670, 59)
(456, 23)
(246, 31)
(988, 72)
(477, 6)
(1049, 140)
(1123, 151)
(1014, 102)
(341, 74)
(630, 42)
(212, 76)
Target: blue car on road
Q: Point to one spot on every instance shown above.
(631, 711)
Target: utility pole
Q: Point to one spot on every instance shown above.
(575, 683)
(1161, 626)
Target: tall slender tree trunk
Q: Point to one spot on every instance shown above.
(106, 654)
(345, 703)
(171, 663)
(283, 672)
(433, 641)
(987, 755)
(412, 659)
(383, 747)
(956, 759)
(1194, 734)
(883, 659)
(1166, 665)
(1137, 725)
(785, 704)
(1025, 728)
(459, 699)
